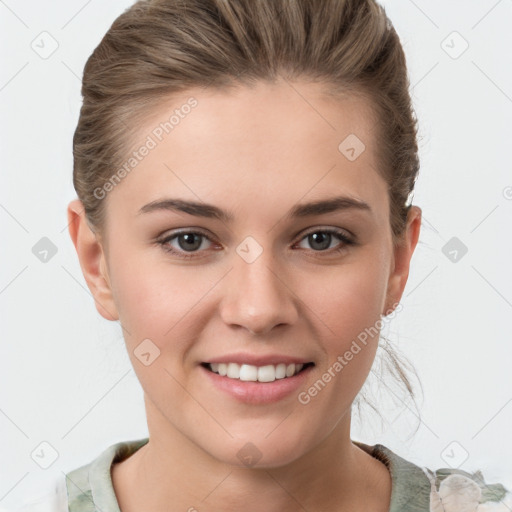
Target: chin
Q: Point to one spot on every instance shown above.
(260, 453)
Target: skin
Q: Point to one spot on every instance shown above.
(240, 150)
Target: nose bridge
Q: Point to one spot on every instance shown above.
(256, 297)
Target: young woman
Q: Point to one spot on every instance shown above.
(244, 171)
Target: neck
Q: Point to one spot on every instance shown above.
(171, 469)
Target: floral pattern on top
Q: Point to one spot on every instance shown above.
(455, 490)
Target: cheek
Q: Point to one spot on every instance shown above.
(157, 300)
(159, 304)
(349, 299)
(145, 300)
(347, 306)
(349, 323)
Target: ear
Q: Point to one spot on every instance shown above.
(402, 255)
(92, 260)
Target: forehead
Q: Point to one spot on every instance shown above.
(269, 142)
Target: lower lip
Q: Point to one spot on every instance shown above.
(258, 392)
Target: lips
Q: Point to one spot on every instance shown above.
(269, 386)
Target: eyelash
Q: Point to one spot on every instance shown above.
(184, 255)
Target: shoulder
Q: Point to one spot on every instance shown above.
(89, 487)
(419, 489)
(55, 500)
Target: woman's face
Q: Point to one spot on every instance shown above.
(257, 278)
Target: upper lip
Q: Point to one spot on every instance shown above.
(258, 360)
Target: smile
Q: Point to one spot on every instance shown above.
(251, 373)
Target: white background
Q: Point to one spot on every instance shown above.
(66, 377)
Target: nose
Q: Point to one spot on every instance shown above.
(257, 297)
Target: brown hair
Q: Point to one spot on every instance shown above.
(160, 47)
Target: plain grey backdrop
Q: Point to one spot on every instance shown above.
(67, 381)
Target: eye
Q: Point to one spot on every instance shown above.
(321, 239)
(186, 242)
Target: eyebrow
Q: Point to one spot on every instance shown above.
(210, 211)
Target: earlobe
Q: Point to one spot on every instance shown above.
(92, 260)
(402, 259)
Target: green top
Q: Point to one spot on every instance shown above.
(90, 488)
(414, 489)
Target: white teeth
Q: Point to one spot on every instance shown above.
(248, 372)
(233, 371)
(267, 373)
(280, 371)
